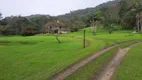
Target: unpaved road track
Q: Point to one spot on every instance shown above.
(69, 71)
(64, 74)
(109, 70)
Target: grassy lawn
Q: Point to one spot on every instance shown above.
(38, 60)
(40, 57)
(127, 44)
(130, 68)
(88, 71)
(116, 36)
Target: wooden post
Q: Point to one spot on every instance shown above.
(84, 39)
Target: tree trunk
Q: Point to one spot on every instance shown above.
(58, 33)
(95, 28)
(57, 38)
(141, 28)
(140, 23)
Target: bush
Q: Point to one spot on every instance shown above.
(29, 31)
(111, 28)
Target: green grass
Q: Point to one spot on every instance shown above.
(88, 71)
(126, 44)
(43, 58)
(130, 69)
(36, 61)
(40, 57)
(115, 37)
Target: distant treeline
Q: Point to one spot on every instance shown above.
(117, 12)
(19, 25)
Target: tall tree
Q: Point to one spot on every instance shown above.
(39, 22)
(123, 8)
(93, 18)
(16, 25)
(138, 9)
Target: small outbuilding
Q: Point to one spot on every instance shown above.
(56, 26)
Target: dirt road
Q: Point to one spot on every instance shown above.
(109, 70)
(69, 71)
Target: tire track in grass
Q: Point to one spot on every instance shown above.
(108, 72)
(74, 68)
(67, 72)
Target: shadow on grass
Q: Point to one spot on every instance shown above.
(8, 43)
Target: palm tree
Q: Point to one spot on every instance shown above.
(94, 19)
(138, 9)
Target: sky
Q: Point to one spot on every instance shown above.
(51, 7)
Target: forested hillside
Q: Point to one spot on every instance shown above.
(83, 12)
(116, 12)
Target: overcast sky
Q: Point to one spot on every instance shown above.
(51, 7)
